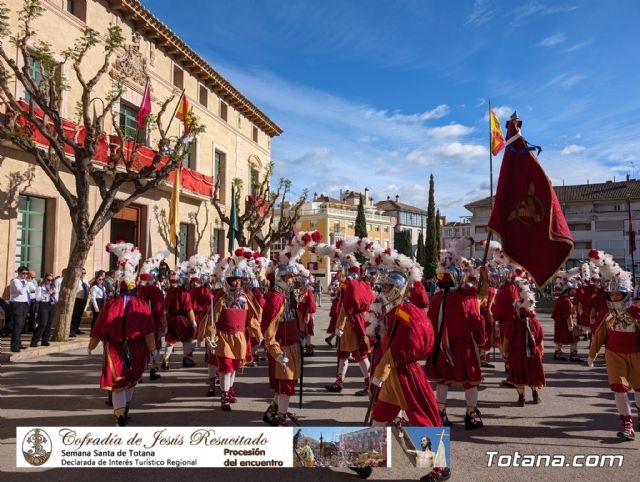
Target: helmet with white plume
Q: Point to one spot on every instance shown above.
(128, 260)
(150, 268)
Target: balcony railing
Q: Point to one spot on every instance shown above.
(350, 213)
(108, 148)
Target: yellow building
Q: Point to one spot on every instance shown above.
(35, 226)
(335, 219)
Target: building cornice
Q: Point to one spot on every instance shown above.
(151, 27)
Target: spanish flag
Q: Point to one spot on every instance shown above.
(183, 110)
(174, 210)
(497, 138)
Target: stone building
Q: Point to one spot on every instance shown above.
(34, 221)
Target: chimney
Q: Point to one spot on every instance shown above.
(366, 196)
(315, 196)
(388, 198)
(397, 198)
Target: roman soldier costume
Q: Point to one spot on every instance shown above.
(565, 331)
(619, 331)
(149, 291)
(181, 321)
(455, 314)
(399, 386)
(125, 327)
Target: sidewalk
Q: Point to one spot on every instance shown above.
(80, 341)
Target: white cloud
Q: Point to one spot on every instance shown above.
(566, 81)
(572, 149)
(578, 46)
(480, 14)
(502, 111)
(552, 40)
(437, 113)
(465, 153)
(451, 130)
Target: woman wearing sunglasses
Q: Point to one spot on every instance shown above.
(47, 298)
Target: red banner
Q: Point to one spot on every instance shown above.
(526, 213)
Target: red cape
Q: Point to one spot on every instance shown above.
(109, 325)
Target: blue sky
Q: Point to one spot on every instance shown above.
(379, 94)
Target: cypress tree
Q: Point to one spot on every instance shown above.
(402, 242)
(430, 249)
(361, 221)
(420, 250)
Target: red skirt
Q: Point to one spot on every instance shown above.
(249, 357)
(180, 328)
(333, 319)
(114, 375)
(492, 336)
(227, 365)
(561, 334)
(466, 365)
(524, 370)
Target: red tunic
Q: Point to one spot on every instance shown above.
(357, 297)
(418, 295)
(562, 314)
(525, 368)
(201, 297)
(333, 315)
(113, 328)
(178, 305)
(492, 336)
(153, 296)
(286, 336)
(412, 342)
(456, 358)
(306, 309)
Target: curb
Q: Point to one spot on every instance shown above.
(37, 352)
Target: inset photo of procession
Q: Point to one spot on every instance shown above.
(357, 448)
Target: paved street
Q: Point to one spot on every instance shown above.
(577, 415)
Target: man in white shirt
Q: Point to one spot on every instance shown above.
(33, 303)
(80, 304)
(19, 301)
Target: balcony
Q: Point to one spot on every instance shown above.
(346, 213)
(108, 148)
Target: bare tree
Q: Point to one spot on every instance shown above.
(259, 226)
(75, 152)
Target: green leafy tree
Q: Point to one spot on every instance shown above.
(431, 244)
(402, 242)
(68, 159)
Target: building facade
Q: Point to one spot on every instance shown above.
(35, 226)
(450, 231)
(335, 219)
(407, 218)
(597, 215)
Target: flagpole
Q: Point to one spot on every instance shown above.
(175, 111)
(489, 234)
(632, 241)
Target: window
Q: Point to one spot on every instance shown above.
(77, 8)
(615, 225)
(220, 162)
(183, 240)
(129, 124)
(255, 182)
(386, 229)
(617, 207)
(580, 227)
(191, 158)
(255, 134)
(350, 225)
(38, 73)
(368, 227)
(336, 226)
(178, 77)
(223, 110)
(582, 245)
(480, 229)
(32, 212)
(376, 227)
(217, 241)
(203, 96)
(239, 120)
